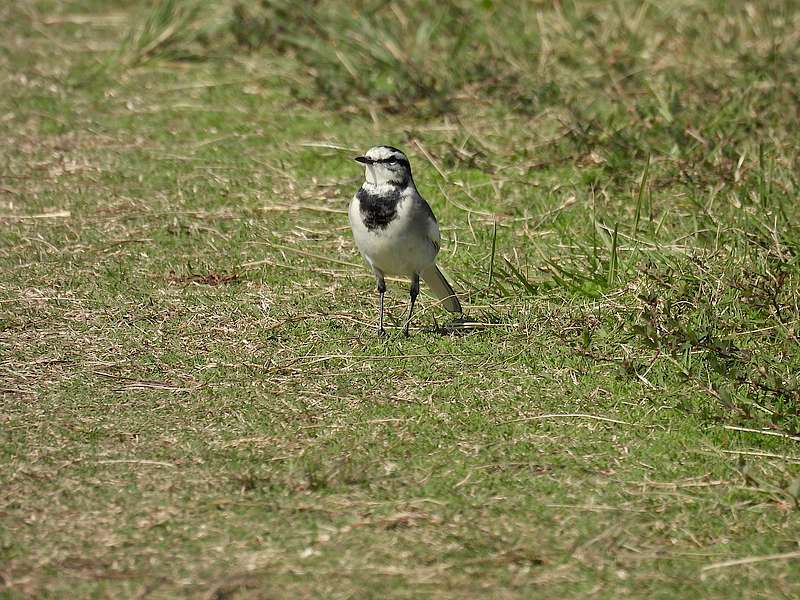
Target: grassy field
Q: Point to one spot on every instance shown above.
(194, 399)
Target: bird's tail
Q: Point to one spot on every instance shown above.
(441, 288)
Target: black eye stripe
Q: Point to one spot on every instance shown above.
(391, 159)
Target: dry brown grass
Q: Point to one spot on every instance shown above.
(193, 400)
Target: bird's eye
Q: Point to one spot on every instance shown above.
(392, 161)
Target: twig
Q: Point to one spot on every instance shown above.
(16, 391)
(61, 214)
(466, 209)
(327, 145)
(476, 325)
(113, 243)
(304, 207)
(786, 436)
(145, 384)
(596, 507)
(85, 19)
(201, 85)
(762, 454)
(750, 560)
(671, 485)
(155, 463)
(255, 263)
(566, 416)
(430, 160)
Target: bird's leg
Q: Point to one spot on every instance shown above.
(381, 290)
(414, 294)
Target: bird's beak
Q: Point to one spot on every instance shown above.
(363, 159)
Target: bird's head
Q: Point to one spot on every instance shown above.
(386, 165)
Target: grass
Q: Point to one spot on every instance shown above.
(194, 400)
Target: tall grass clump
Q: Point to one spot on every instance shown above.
(170, 30)
(419, 54)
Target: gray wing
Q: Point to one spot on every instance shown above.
(427, 220)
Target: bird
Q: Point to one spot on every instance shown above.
(396, 231)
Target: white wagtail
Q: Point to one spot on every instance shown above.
(396, 230)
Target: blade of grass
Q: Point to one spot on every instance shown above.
(640, 195)
(612, 265)
(526, 284)
(494, 250)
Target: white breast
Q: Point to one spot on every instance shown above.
(403, 247)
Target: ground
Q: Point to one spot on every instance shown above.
(195, 402)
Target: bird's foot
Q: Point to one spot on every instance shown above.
(381, 332)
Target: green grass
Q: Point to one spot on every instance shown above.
(194, 399)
